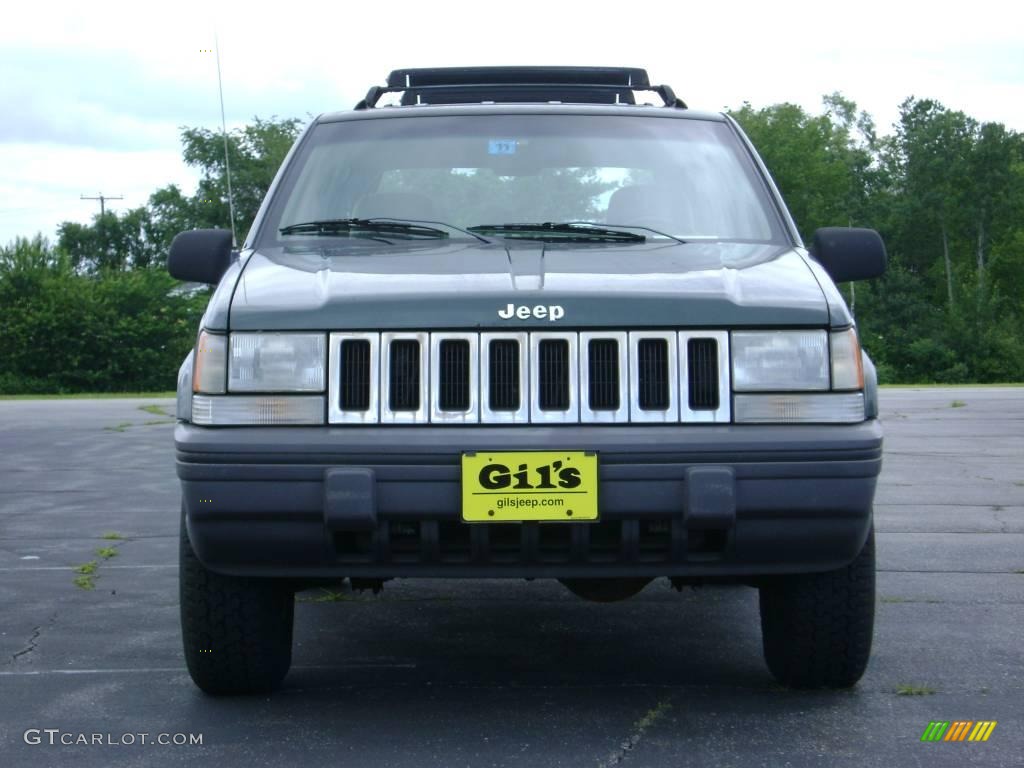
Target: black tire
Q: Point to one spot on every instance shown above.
(237, 632)
(817, 627)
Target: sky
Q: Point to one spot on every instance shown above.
(94, 95)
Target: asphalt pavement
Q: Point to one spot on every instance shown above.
(479, 673)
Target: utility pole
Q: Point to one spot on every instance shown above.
(103, 199)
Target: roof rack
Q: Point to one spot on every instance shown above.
(474, 85)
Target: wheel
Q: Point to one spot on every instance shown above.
(605, 590)
(237, 632)
(817, 627)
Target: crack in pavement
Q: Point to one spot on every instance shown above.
(640, 727)
(32, 644)
(32, 641)
(36, 631)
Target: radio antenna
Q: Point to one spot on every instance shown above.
(224, 133)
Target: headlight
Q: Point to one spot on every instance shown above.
(277, 362)
(780, 361)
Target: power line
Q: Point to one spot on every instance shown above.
(103, 199)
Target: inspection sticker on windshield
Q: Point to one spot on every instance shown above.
(521, 486)
(501, 147)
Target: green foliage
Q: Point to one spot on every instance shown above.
(947, 194)
(255, 153)
(97, 313)
(64, 331)
(823, 165)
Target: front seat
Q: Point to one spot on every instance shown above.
(396, 205)
(648, 205)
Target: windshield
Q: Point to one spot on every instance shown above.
(689, 179)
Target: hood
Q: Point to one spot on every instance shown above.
(467, 285)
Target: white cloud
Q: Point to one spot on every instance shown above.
(92, 82)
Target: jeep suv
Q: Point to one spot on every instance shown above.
(518, 323)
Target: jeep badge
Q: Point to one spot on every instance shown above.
(539, 311)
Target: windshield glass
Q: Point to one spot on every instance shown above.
(686, 178)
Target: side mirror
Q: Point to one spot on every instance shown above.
(849, 253)
(200, 255)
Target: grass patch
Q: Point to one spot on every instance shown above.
(952, 386)
(327, 596)
(1019, 570)
(914, 690)
(927, 600)
(156, 410)
(85, 582)
(1019, 483)
(106, 552)
(119, 428)
(652, 716)
(112, 536)
(86, 569)
(91, 396)
(957, 404)
(157, 421)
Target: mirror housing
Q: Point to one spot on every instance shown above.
(200, 255)
(849, 253)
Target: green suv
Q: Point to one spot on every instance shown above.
(526, 322)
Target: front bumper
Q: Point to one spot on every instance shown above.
(714, 500)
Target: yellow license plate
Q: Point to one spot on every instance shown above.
(520, 486)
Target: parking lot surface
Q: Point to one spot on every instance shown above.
(502, 673)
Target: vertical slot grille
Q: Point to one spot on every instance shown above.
(702, 365)
(503, 387)
(603, 376)
(553, 375)
(404, 384)
(454, 375)
(653, 374)
(355, 375)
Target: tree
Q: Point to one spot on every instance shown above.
(931, 149)
(255, 152)
(820, 163)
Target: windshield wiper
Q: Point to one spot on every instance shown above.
(398, 227)
(633, 226)
(561, 232)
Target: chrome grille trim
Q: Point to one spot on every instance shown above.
(723, 414)
(621, 415)
(334, 413)
(420, 415)
(636, 413)
(572, 414)
(529, 410)
(522, 415)
(472, 414)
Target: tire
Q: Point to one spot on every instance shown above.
(237, 632)
(817, 627)
(606, 590)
